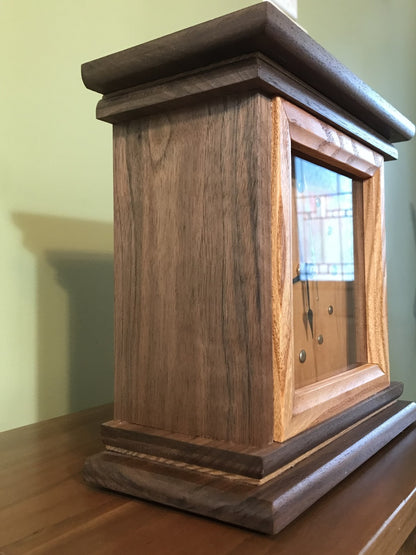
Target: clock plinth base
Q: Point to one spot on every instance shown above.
(266, 505)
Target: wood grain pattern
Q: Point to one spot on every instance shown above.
(409, 547)
(316, 402)
(375, 271)
(326, 144)
(229, 77)
(282, 301)
(266, 508)
(242, 460)
(384, 543)
(203, 242)
(260, 28)
(241, 74)
(192, 271)
(338, 351)
(360, 306)
(39, 491)
(46, 508)
(296, 409)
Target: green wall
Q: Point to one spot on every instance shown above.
(56, 183)
(56, 197)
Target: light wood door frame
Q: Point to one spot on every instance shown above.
(298, 409)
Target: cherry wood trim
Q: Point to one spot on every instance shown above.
(298, 409)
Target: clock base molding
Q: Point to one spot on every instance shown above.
(246, 461)
(266, 504)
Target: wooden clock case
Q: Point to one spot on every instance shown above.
(207, 416)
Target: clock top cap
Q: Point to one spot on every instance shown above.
(261, 28)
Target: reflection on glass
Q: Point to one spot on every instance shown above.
(328, 294)
(324, 223)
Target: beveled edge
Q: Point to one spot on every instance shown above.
(260, 28)
(234, 76)
(246, 461)
(266, 508)
(298, 409)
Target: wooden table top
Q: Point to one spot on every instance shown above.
(46, 508)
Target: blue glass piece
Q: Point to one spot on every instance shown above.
(324, 212)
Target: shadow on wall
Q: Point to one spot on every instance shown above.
(74, 311)
(413, 215)
(88, 279)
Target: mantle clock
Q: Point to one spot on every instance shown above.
(251, 347)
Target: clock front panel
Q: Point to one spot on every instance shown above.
(328, 315)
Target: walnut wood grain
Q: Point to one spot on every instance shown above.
(279, 82)
(240, 74)
(192, 271)
(266, 508)
(260, 28)
(229, 457)
(201, 211)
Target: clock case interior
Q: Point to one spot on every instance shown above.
(328, 278)
(209, 415)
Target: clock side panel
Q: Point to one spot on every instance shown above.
(192, 270)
